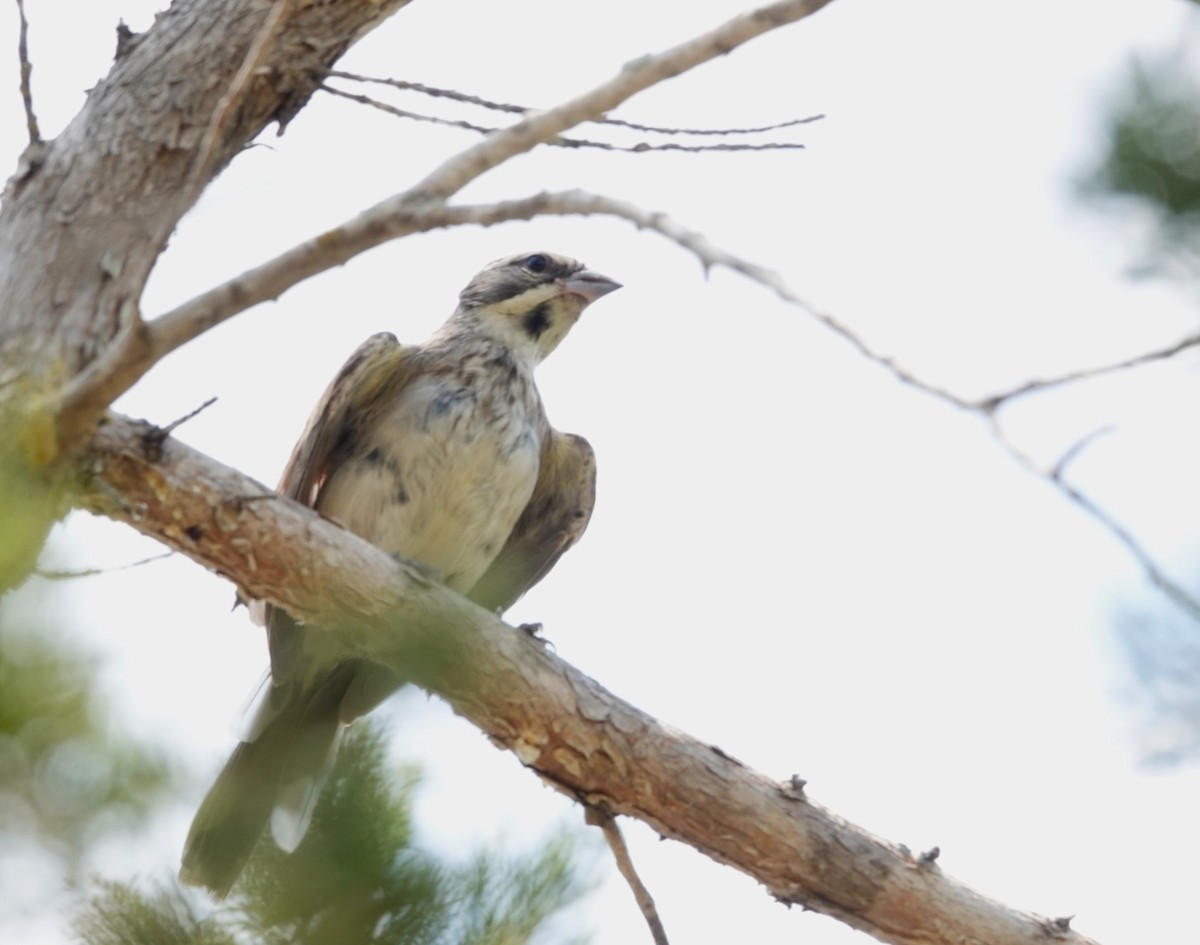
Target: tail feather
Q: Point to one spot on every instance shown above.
(287, 760)
(296, 802)
(231, 819)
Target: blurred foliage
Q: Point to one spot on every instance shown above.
(118, 914)
(1151, 164)
(69, 780)
(358, 877)
(67, 777)
(32, 502)
(1152, 158)
(1160, 647)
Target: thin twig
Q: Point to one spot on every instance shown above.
(452, 175)
(511, 109)
(581, 203)
(561, 141)
(995, 401)
(1175, 592)
(1059, 469)
(191, 414)
(155, 437)
(616, 842)
(56, 574)
(31, 122)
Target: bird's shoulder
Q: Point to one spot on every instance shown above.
(379, 366)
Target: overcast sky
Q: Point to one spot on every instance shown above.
(792, 556)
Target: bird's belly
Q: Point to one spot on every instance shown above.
(443, 483)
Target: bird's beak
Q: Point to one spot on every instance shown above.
(589, 285)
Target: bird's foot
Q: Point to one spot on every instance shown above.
(534, 632)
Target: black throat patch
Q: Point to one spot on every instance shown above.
(537, 321)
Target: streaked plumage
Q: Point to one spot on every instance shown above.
(440, 454)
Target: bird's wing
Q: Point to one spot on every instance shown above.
(555, 518)
(380, 366)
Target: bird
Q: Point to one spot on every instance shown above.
(440, 454)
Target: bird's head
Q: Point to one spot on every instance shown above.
(532, 300)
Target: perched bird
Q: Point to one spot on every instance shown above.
(440, 454)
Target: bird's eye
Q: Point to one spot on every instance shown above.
(537, 263)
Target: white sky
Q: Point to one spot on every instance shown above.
(792, 556)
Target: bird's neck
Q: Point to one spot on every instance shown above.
(469, 335)
(529, 335)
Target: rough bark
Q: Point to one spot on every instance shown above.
(565, 726)
(85, 216)
(93, 208)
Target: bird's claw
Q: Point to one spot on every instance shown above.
(534, 632)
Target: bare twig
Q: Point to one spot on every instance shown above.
(995, 401)
(180, 421)
(392, 219)
(31, 122)
(561, 141)
(616, 842)
(156, 436)
(1058, 470)
(58, 574)
(511, 109)
(581, 203)
(1175, 592)
(454, 174)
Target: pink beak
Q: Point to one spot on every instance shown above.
(590, 285)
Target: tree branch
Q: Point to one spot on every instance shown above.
(994, 402)
(579, 737)
(616, 843)
(638, 75)
(87, 213)
(106, 378)
(511, 109)
(561, 141)
(31, 122)
(139, 348)
(392, 218)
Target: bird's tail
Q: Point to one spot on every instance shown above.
(275, 777)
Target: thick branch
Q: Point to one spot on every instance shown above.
(575, 734)
(83, 224)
